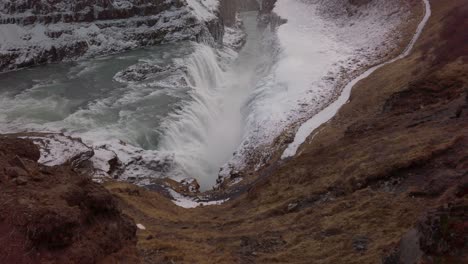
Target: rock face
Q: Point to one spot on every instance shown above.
(36, 32)
(53, 215)
(229, 8)
(27, 12)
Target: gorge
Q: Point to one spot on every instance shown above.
(180, 110)
(274, 131)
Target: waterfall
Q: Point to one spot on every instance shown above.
(190, 132)
(210, 125)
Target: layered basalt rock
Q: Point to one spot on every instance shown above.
(38, 32)
(27, 12)
(229, 9)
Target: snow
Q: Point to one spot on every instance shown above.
(101, 159)
(190, 202)
(204, 9)
(325, 115)
(57, 149)
(321, 47)
(28, 42)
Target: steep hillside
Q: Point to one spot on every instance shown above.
(384, 181)
(54, 215)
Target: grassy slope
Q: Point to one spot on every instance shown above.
(397, 150)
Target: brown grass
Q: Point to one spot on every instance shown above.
(369, 174)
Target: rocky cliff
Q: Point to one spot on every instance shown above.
(54, 215)
(38, 32)
(229, 8)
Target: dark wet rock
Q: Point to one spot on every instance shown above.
(331, 232)
(292, 207)
(423, 94)
(21, 180)
(229, 8)
(359, 2)
(440, 235)
(173, 76)
(263, 243)
(444, 232)
(139, 72)
(191, 185)
(14, 172)
(360, 243)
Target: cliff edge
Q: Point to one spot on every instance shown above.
(54, 215)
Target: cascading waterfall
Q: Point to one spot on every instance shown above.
(209, 127)
(187, 131)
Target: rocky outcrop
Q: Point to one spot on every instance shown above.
(229, 9)
(53, 215)
(27, 12)
(440, 236)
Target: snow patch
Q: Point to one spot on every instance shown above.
(326, 114)
(190, 202)
(204, 9)
(141, 227)
(57, 149)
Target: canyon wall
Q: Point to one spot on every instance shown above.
(230, 8)
(37, 32)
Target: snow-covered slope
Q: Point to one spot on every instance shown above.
(320, 46)
(36, 32)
